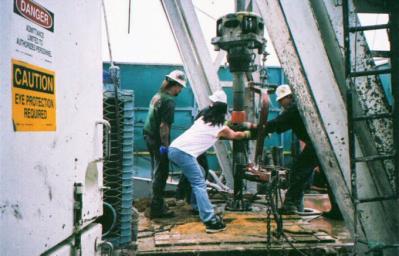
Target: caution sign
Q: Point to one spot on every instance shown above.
(33, 97)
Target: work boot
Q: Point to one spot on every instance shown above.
(194, 212)
(288, 209)
(215, 225)
(164, 213)
(333, 215)
(160, 210)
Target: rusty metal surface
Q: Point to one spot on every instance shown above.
(378, 219)
(370, 95)
(375, 178)
(290, 60)
(264, 112)
(372, 98)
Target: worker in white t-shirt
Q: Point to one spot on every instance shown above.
(185, 149)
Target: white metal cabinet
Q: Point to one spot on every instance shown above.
(46, 156)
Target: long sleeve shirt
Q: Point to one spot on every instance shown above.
(289, 119)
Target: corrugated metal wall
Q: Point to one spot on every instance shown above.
(145, 79)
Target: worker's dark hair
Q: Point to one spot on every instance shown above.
(215, 114)
(168, 83)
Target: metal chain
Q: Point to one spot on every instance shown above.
(268, 225)
(263, 72)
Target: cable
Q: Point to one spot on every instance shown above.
(204, 12)
(278, 218)
(292, 245)
(113, 216)
(353, 176)
(129, 14)
(107, 31)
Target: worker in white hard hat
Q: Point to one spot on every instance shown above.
(157, 136)
(305, 163)
(302, 168)
(284, 95)
(184, 150)
(183, 189)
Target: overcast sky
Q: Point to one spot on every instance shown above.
(151, 41)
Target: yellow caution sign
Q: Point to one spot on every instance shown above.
(33, 97)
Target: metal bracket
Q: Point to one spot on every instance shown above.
(106, 248)
(107, 127)
(78, 205)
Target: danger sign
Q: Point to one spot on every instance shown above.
(33, 92)
(35, 13)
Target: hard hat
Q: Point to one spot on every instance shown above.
(283, 91)
(178, 76)
(219, 96)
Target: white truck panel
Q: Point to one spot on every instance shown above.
(42, 156)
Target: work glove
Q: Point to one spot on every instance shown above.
(249, 125)
(163, 150)
(254, 132)
(247, 134)
(228, 123)
(251, 134)
(240, 126)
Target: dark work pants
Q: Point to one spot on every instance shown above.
(160, 169)
(302, 170)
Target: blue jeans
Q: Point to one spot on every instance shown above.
(192, 170)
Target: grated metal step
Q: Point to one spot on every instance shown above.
(381, 54)
(376, 199)
(370, 72)
(374, 157)
(370, 117)
(371, 27)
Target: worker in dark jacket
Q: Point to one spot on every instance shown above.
(157, 136)
(306, 161)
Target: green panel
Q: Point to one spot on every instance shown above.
(275, 76)
(146, 79)
(386, 83)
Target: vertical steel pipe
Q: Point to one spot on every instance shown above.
(394, 38)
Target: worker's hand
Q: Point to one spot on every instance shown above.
(228, 123)
(247, 134)
(234, 126)
(163, 150)
(240, 126)
(249, 125)
(251, 134)
(254, 132)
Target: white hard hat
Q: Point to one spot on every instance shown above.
(283, 91)
(219, 96)
(178, 76)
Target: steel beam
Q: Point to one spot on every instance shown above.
(369, 97)
(377, 6)
(303, 55)
(219, 60)
(329, 18)
(394, 39)
(197, 62)
(376, 137)
(315, 90)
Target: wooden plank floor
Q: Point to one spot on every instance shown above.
(246, 234)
